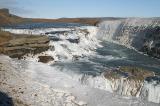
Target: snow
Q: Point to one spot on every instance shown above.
(57, 88)
(82, 89)
(64, 50)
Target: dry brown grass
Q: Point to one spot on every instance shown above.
(137, 73)
(132, 73)
(6, 19)
(5, 37)
(90, 21)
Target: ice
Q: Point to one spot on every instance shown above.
(79, 42)
(69, 45)
(54, 87)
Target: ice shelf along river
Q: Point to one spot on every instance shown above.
(84, 52)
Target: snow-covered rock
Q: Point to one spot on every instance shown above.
(37, 84)
(65, 43)
(132, 81)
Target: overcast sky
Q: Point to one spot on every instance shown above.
(83, 8)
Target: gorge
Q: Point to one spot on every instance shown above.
(116, 60)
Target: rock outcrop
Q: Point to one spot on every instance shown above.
(131, 81)
(4, 11)
(45, 59)
(7, 19)
(17, 46)
(151, 44)
(138, 33)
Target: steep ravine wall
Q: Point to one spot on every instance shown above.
(138, 33)
(127, 81)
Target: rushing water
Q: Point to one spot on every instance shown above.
(95, 57)
(111, 55)
(43, 25)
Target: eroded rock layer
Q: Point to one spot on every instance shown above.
(131, 81)
(17, 46)
(139, 33)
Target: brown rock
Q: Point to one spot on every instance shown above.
(134, 73)
(45, 59)
(17, 46)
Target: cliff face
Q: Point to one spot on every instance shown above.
(141, 34)
(17, 46)
(127, 81)
(4, 11)
(133, 81)
(151, 44)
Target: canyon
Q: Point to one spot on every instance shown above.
(47, 55)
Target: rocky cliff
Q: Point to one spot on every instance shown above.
(17, 46)
(138, 33)
(128, 81)
(132, 81)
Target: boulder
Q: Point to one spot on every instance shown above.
(45, 59)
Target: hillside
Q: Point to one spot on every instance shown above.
(7, 19)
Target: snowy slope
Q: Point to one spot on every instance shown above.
(45, 85)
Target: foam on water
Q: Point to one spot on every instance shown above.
(80, 86)
(78, 52)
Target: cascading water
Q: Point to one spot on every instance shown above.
(109, 29)
(89, 51)
(133, 33)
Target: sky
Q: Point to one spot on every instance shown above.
(82, 8)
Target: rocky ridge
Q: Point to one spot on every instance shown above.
(132, 81)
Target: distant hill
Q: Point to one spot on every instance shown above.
(90, 21)
(6, 18)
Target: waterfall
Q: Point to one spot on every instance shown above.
(108, 29)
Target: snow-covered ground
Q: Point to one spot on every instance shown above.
(70, 44)
(38, 84)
